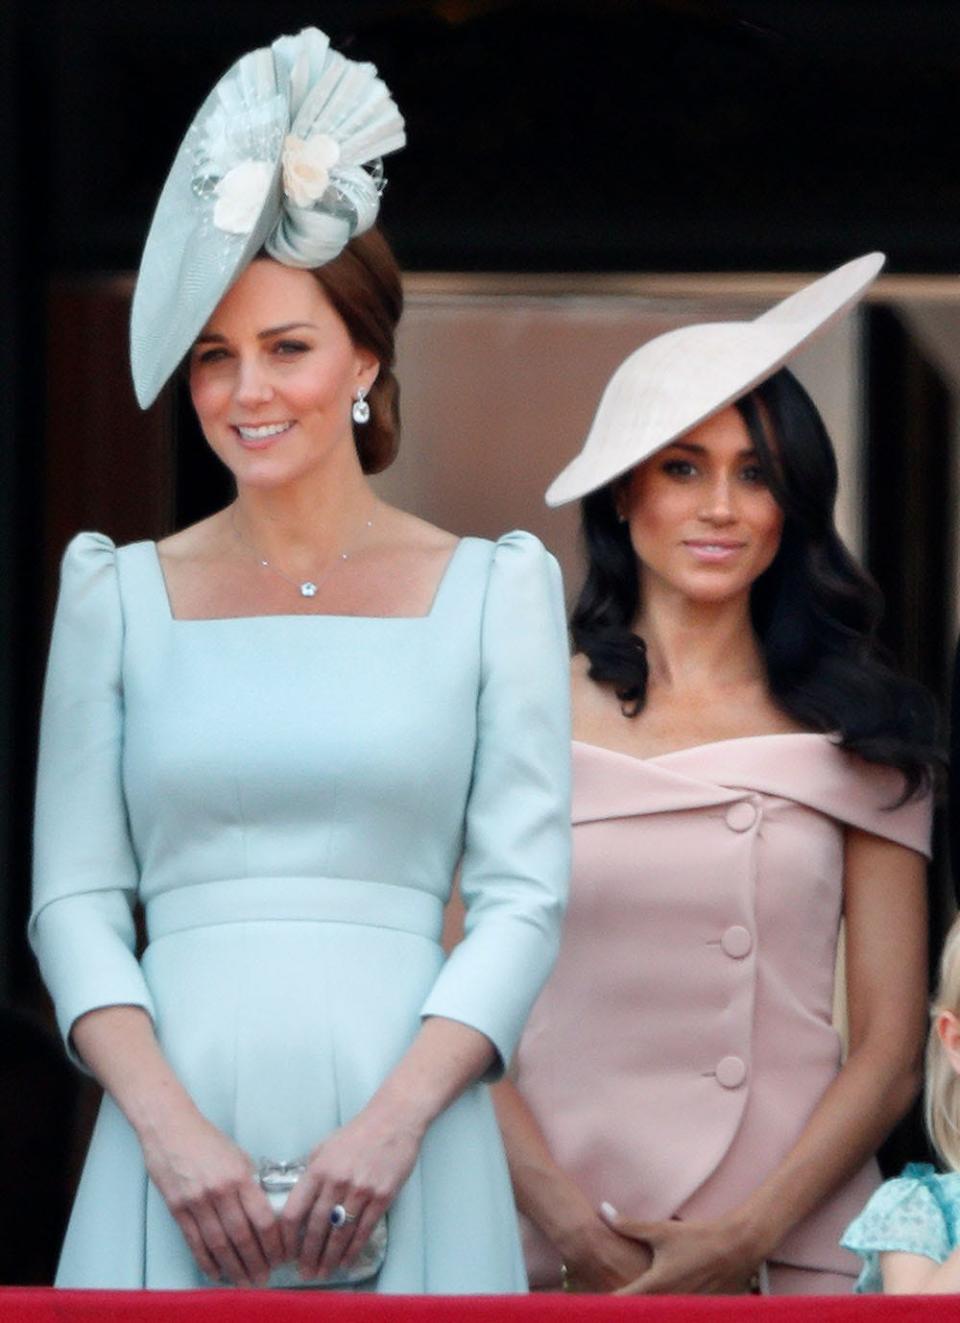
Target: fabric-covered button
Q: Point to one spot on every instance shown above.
(736, 941)
(742, 816)
(731, 1072)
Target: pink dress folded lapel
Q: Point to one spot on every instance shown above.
(685, 1035)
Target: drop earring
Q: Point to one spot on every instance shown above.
(361, 409)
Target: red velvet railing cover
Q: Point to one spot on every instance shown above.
(49, 1306)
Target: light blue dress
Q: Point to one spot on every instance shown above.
(289, 797)
(918, 1213)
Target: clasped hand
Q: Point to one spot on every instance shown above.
(207, 1183)
(360, 1167)
(689, 1258)
(598, 1259)
(233, 1233)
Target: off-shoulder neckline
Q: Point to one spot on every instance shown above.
(709, 744)
(439, 592)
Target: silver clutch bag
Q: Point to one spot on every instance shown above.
(277, 1179)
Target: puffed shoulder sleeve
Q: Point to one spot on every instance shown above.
(910, 1214)
(516, 861)
(85, 873)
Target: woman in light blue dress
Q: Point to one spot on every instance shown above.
(280, 731)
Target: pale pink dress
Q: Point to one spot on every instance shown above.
(685, 1035)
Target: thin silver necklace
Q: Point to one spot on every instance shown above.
(305, 587)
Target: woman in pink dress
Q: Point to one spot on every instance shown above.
(747, 772)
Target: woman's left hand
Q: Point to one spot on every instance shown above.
(361, 1167)
(691, 1258)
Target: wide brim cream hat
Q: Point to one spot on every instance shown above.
(680, 379)
(284, 155)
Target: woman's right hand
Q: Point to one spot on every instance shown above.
(207, 1183)
(599, 1259)
(596, 1257)
(205, 1179)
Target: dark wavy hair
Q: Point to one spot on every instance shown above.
(814, 610)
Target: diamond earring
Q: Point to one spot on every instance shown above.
(361, 409)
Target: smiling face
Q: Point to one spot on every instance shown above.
(703, 522)
(273, 376)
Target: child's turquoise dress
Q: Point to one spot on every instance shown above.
(918, 1213)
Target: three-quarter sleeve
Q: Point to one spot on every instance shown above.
(516, 862)
(85, 871)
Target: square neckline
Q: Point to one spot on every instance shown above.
(297, 615)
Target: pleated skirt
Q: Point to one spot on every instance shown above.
(281, 1030)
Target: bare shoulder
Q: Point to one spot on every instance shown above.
(579, 668)
(598, 716)
(200, 542)
(415, 548)
(582, 688)
(587, 696)
(410, 533)
(404, 565)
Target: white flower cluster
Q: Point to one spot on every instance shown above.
(307, 163)
(242, 191)
(241, 194)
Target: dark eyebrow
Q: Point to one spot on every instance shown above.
(693, 449)
(279, 330)
(214, 338)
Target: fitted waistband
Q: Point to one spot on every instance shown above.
(307, 899)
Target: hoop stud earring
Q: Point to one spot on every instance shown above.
(361, 409)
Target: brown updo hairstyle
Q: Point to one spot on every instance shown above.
(364, 287)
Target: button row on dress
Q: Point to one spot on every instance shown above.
(731, 1072)
(741, 816)
(736, 941)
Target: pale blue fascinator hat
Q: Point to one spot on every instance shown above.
(284, 155)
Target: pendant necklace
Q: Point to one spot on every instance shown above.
(305, 587)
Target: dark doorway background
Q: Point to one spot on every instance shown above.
(545, 135)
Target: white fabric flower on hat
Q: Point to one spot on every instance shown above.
(241, 194)
(307, 163)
